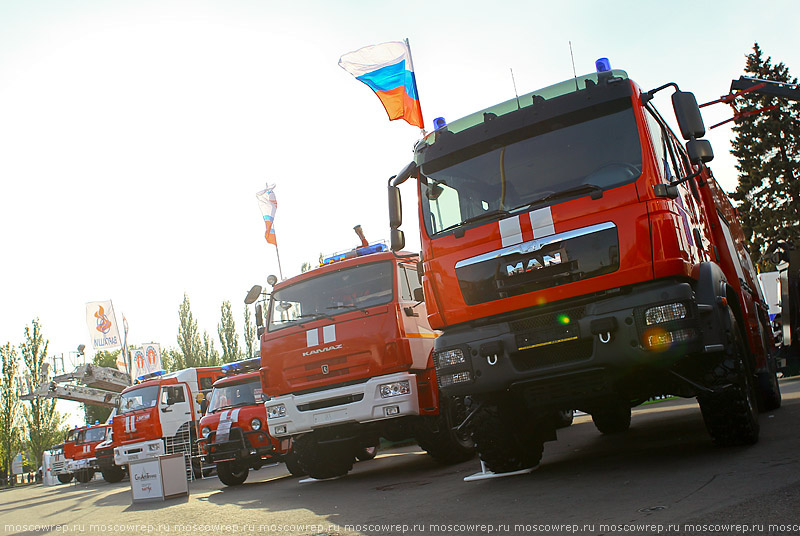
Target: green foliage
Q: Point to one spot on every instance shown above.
(767, 147)
(250, 334)
(228, 338)
(209, 357)
(188, 337)
(44, 424)
(10, 408)
(305, 267)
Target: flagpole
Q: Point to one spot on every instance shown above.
(419, 101)
(280, 271)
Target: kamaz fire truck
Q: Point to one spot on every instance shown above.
(159, 415)
(577, 256)
(76, 458)
(234, 433)
(346, 360)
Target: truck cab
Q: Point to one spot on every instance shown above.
(346, 360)
(233, 432)
(577, 256)
(159, 415)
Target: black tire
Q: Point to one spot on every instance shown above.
(439, 438)
(731, 414)
(65, 478)
(769, 389)
(292, 465)
(232, 474)
(323, 461)
(504, 443)
(84, 475)
(113, 474)
(565, 418)
(612, 418)
(367, 453)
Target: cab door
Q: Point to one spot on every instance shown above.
(174, 408)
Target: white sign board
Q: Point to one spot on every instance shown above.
(146, 480)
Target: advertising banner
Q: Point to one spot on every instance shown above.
(146, 359)
(102, 325)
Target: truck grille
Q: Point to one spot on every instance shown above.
(569, 388)
(553, 355)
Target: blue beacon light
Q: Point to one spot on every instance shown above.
(439, 123)
(602, 65)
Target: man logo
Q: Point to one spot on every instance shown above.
(533, 264)
(325, 369)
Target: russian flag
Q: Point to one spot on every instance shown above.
(387, 69)
(268, 205)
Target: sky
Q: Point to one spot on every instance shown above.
(134, 134)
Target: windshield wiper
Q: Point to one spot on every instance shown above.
(595, 191)
(497, 214)
(316, 314)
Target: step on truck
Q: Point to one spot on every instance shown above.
(576, 255)
(233, 433)
(346, 360)
(159, 415)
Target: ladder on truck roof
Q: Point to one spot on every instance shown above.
(746, 84)
(107, 379)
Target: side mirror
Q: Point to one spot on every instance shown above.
(395, 207)
(666, 190)
(253, 294)
(700, 151)
(419, 295)
(260, 331)
(259, 316)
(397, 239)
(687, 112)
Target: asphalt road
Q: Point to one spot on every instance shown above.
(663, 476)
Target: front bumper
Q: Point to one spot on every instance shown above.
(138, 451)
(359, 403)
(238, 448)
(576, 353)
(86, 463)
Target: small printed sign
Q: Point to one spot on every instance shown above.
(146, 480)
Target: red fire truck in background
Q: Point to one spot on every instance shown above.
(233, 433)
(577, 256)
(77, 458)
(159, 415)
(346, 360)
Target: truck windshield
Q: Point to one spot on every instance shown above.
(144, 397)
(583, 152)
(95, 434)
(358, 287)
(231, 396)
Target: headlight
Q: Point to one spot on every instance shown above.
(255, 424)
(389, 390)
(449, 357)
(275, 412)
(665, 313)
(206, 431)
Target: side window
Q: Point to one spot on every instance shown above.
(408, 282)
(172, 394)
(206, 382)
(662, 145)
(444, 205)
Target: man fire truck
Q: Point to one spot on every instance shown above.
(159, 415)
(346, 358)
(576, 256)
(234, 433)
(76, 458)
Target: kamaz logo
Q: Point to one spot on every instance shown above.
(533, 264)
(321, 350)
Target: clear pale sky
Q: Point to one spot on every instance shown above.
(135, 134)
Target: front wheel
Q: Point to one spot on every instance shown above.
(65, 478)
(232, 474)
(84, 475)
(367, 453)
(612, 418)
(505, 443)
(323, 460)
(439, 438)
(292, 465)
(113, 474)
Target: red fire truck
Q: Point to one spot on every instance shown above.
(78, 454)
(577, 256)
(346, 360)
(159, 415)
(234, 433)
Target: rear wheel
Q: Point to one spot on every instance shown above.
(292, 465)
(731, 413)
(322, 460)
(505, 443)
(65, 478)
(113, 474)
(439, 438)
(769, 390)
(612, 418)
(232, 474)
(564, 418)
(84, 475)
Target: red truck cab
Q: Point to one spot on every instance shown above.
(234, 434)
(577, 256)
(79, 459)
(346, 359)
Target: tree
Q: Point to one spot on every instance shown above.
(93, 413)
(209, 357)
(767, 146)
(305, 267)
(250, 334)
(10, 407)
(171, 359)
(188, 336)
(228, 338)
(44, 424)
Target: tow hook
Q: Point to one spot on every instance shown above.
(605, 338)
(491, 359)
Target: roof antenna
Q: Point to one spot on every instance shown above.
(515, 86)
(575, 74)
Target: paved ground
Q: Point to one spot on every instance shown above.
(662, 477)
